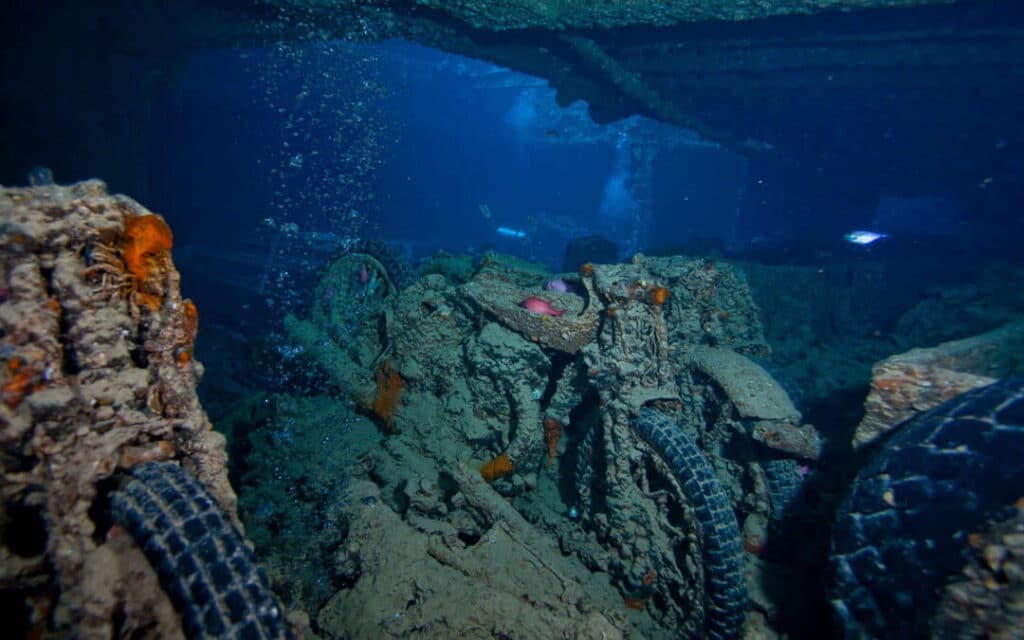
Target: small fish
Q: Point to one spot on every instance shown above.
(543, 307)
(511, 233)
(364, 275)
(864, 237)
(558, 285)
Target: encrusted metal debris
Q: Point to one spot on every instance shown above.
(98, 376)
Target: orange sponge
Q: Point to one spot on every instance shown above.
(496, 468)
(144, 238)
(390, 386)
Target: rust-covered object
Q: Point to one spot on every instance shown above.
(921, 379)
(98, 376)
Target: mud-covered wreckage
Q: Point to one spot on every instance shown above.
(103, 437)
(681, 451)
(627, 401)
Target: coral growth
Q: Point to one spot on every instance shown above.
(987, 599)
(637, 604)
(390, 386)
(191, 323)
(650, 577)
(18, 381)
(496, 468)
(552, 434)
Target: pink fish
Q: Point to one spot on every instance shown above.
(364, 275)
(536, 305)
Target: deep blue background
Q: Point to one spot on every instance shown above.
(210, 155)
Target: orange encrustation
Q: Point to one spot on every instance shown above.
(552, 434)
(390, 387)
(494, 469)
(144, 238)
(191, 319)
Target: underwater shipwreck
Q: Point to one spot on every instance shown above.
(518, 320)
(504, 452)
